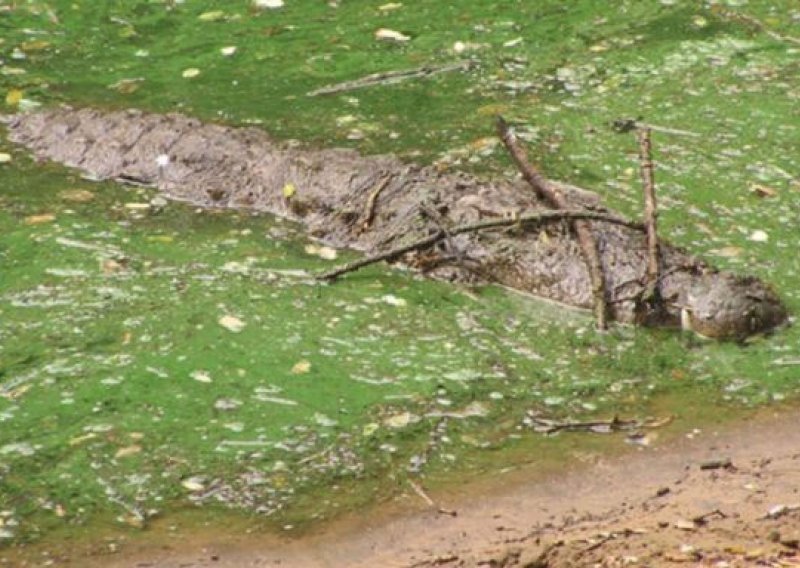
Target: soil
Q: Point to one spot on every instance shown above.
(377, 204)
(705, 498)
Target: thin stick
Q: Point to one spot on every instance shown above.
(529, 219)
(555, 198)
(615, 424)
(623, 125)
(369, 214)
(389, 77)
(650, 212)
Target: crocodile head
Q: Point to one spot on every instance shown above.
(722, 305)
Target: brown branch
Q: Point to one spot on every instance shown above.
(369, 210)
(650, 214)
(555, 199)
(524, 220)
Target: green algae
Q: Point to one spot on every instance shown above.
(119, 386)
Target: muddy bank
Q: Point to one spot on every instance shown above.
(706, 498)
(373, 204)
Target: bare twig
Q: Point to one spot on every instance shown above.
(650, 214)
(529, 219)
(390, 77)
(704, 518)
(551, 426)
(430, 502)
(369, 211)
(555, 198)
(624, 125)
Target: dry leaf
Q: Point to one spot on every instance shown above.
(201, 376)
(13, 97)
(128, 451)
(385, 34)
(4, 158)
(40, 219)
(763, 190)
(231, 323)
(212, 16)
(301, 367)
(190, 73)
(289, 190)
(76, 195)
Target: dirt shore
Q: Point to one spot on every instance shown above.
(708, 498)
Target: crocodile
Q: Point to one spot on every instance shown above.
(375, 203)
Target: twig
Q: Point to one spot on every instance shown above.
(615, 424)
(431, 503)
(555, 198)
(529, 219)
(703, 519)
(624, 125)
(650, 215)
(369, 210)
(755, 22)
(389, 77)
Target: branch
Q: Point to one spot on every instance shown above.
(529, 219)
(555, 198)
(650, 213)
(389, 77)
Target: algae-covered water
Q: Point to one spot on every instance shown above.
(154, 356)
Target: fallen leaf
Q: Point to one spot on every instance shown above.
(190, 73)
(81, 439)
(212, 16)
(758, 236)
(727, 252)
(400, 420)
(194, 483)
(763, 190)
(301, 367)
(393, 300)
(4, 158)
(289, 190)
(231, 323)
(128, 451)
(127, 86)
(385, 34)
(271, 4)
(201, 376)
(227, 404)
(40, 219)
(13, 97)
(228, 51)
(76, 195)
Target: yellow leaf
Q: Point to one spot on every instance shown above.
(289, 190)
(76, 195)
(212, 16)
(34, 45)
(40, 219)
(301, 368)
(13, 97)
(128, 451)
